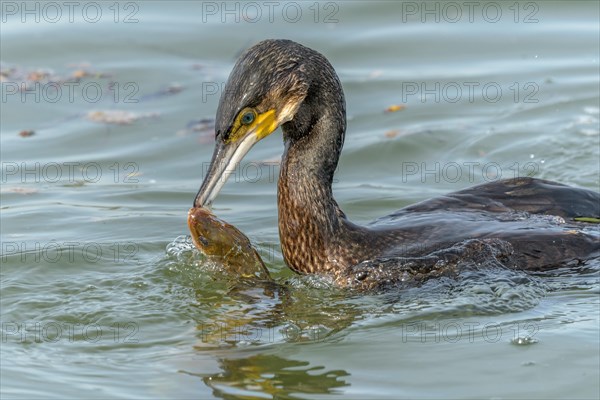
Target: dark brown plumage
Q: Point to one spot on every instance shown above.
(526, 222)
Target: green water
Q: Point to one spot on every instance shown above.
(102, 294)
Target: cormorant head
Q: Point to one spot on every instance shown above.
(265, 89)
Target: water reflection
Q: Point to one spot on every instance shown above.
(253, 313)
(281, 378)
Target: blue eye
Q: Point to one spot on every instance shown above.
(247, 118)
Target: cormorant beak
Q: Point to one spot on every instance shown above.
(228, 153)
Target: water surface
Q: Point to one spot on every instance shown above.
(102, 293)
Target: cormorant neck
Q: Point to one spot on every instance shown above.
(318, 128)
(310, 221)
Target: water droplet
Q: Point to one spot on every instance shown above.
(528, 364)
(523, 341)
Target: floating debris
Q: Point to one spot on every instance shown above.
(172, 89)
(200, 125)
(37, 76)
(20, 190)
(26, 133)
(80, 73)
(117, 117)
(392, 134)
(26, 78)
(206, 127)
(394, 108)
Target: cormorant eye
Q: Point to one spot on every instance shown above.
(248, 117)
